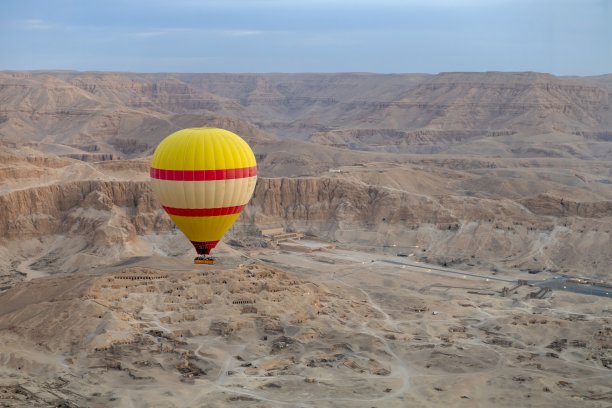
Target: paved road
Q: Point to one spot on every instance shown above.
(445, 270)
(555, 284)
(560, 283)
(585, 289)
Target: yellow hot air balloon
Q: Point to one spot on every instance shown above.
(203, 177)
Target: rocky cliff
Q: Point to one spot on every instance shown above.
(77, 207)
(113, 216)
(77, 225)
(537, 233)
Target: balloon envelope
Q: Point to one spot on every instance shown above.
(203, 178)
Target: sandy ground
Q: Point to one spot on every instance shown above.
(274, 328)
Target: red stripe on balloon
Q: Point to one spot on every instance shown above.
(203, 175)
(204, 212)
(203, 248)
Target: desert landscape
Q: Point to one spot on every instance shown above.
(413, 240)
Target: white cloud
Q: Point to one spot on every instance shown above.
(225, 32)
(240, 33)
(36, 24)
(151, 34)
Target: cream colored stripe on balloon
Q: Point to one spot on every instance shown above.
(204, 194)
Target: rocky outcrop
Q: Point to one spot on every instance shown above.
(78, 207)
(328, 201)
(545, 204)
(389, 138)
(92, 157)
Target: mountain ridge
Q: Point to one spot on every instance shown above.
(297, 105)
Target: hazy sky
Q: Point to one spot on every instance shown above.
(566, 37)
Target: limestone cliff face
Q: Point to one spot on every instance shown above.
(119, 210)
(544, 204)
(80, 207)
(329, 201)
(395, 140)
(92, 157)
(335, 199)
(534, 233)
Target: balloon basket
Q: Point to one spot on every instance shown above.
(204, 260)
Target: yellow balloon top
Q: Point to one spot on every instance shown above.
(202, 149)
